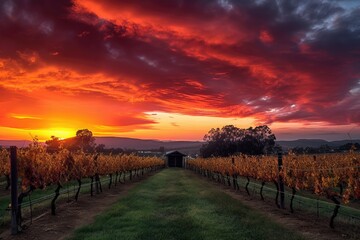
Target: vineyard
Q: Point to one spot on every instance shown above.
(334, 176)
(40, 170)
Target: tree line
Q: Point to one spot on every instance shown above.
(230, 140)
(84, 140)
(219, 142)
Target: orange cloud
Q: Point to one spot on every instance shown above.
(72, 64)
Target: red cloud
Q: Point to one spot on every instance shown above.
(277, 62)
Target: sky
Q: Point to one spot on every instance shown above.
(172, 70)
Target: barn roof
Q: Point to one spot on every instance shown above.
(174, 152)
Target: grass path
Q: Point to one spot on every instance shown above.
(173, 204)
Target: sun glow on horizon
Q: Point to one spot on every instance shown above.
(170, 126)
(61, 133)
(176, 126)
(45, 134)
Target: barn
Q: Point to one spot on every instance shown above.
(175, 159)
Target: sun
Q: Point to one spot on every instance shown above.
(61, 133)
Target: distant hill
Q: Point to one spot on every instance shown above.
(141, 144)
(194, 146)
(17, 143)
(189, 147)
(315, 143)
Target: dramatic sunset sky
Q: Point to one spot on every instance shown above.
(173, 69)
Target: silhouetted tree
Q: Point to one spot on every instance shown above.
(230, 140)
(100, 148)
(349, 146)
(53, 145)
(85, 140)
(256, 141)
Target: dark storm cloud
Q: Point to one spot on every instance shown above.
(274, 60)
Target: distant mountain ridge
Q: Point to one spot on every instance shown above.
(315, 143)
(17, 143)
(185, 146)
(141, 144)
(145, 144)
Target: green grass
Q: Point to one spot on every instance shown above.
(174, 204)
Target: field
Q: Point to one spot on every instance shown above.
(216, 198)
(175, 204)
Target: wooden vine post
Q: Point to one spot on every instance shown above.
(281, 181)
(14, 188)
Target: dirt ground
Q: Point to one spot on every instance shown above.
(76, 214)
(306, 224)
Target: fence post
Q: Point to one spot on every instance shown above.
(281, 181)
(14, 188)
